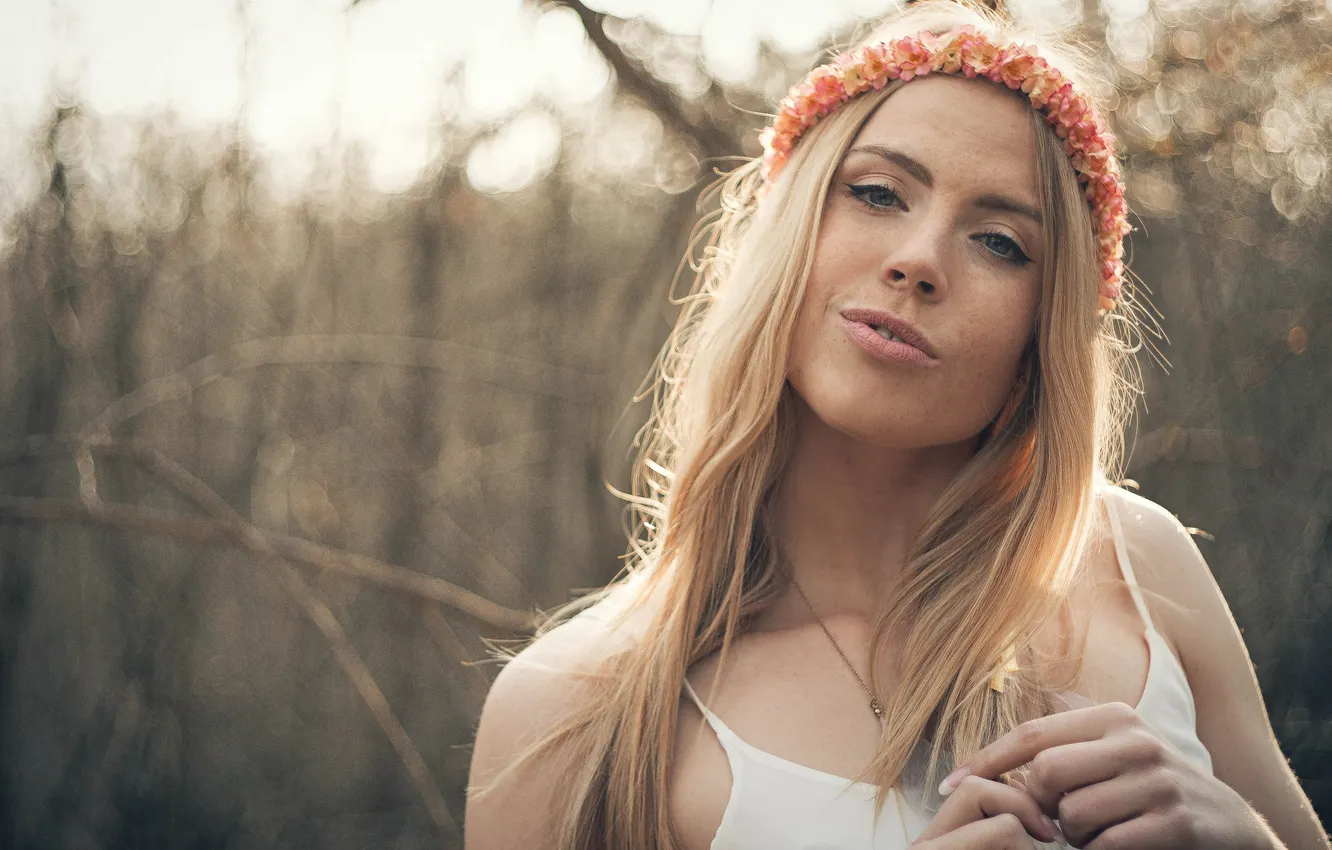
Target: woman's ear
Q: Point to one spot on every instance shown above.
(1026, 368)
(1022, 382)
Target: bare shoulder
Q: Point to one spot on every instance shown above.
(1183, 596)
(538, 690)
(1179, 584)
(1148, 526)
(1231, 719)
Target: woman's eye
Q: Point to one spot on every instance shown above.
(1005, 248)
(877, 196)
(874, 195)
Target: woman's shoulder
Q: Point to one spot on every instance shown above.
(1158, 544)
(580, 644)
(1181, 592)
(538, 690)
(556, 668)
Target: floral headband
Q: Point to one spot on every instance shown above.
(1087, 140)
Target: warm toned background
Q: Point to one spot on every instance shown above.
(318, 328)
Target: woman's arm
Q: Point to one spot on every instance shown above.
(1232, 720)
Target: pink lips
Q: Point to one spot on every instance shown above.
(913, 348)
(868, 338)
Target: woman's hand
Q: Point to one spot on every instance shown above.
(986, 815)
(1112, 782)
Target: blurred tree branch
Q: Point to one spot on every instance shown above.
(323, 619)
(226, 524)
(410, 352)
(711, 138)
(232, 526)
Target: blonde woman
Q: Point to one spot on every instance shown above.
(881, 593)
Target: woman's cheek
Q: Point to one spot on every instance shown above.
(988, 371)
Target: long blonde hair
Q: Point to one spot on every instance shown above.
(997, 552)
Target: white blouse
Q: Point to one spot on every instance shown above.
(778, 804)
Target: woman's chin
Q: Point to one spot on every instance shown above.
(913, 435)
(876, 424)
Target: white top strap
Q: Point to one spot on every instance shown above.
(1121, 554)
(724, 734)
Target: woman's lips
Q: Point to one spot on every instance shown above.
(893, 351)
(899, 327)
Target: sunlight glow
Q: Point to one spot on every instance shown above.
(515, 157)
(303, 79)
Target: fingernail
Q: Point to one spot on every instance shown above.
(1056, 834)
(952, 780)
(1051, 831)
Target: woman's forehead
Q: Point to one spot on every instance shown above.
(963, 129)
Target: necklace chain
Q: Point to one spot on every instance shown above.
(873, 702)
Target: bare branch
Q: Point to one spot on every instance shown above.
(269, 546)
(363, 680)
(446, 638)
(227, 525)
(413, 352)
(202, 530)
(711, 139)
(229, 522)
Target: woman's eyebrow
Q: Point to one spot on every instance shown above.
(922, 174)
(999, 202)
(909, 165)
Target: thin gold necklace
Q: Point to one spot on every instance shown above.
(873, 703)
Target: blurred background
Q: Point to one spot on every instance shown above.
(319, 322)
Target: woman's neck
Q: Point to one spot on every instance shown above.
(846, 512)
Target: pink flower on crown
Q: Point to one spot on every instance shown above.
(948, 57)
(1017, 65)
(802, 109)
(786, 127)
(1066, 105)
(874, 65)
(1041, 84)
(828, 91)
(1055, 101)
(853, 80)
(911, 56)
(978, 57)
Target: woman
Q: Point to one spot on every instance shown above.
(875, 537)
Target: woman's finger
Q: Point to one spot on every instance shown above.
(979, 799)
(1089, 812)
(1004, 832)
(1150, 832)
(1062, 770)
(1020, 746)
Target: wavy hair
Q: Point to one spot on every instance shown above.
(993, 561)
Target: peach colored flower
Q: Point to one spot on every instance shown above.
(1019, 63)
(874, 64)
(980, 57)
(852, 80)
(948, 57)
(911, 56)
(828, 91)
(1040, 85)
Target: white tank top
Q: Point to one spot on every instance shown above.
(778, 804)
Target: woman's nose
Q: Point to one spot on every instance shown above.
(916, 263)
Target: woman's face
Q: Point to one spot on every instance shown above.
(932, 220)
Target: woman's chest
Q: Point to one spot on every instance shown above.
(791, 696)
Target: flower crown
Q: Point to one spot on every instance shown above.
(1087, 140)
